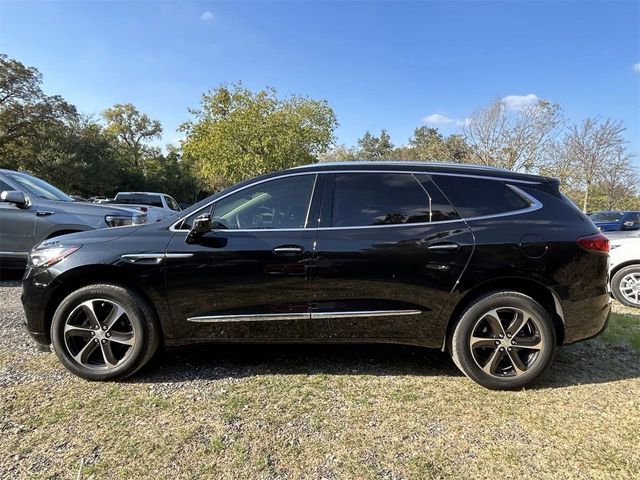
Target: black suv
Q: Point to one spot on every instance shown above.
(497, 268)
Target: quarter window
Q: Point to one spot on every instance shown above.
(5, 186)
(478, 197)
(363, 199)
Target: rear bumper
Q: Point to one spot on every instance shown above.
(586, 318)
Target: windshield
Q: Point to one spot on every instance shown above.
(39, 188)
(607, 216)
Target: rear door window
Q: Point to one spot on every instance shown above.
(371, 199)
(479, 197)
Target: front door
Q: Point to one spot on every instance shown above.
(248, 279)
(389, 250)
(17, 228)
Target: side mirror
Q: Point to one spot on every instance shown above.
(201, 225)
(15, 197)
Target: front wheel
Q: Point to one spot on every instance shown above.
(504, 341)
(104, 332)
(625, 286)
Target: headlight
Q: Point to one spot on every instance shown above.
(50, 256)
(123, 220)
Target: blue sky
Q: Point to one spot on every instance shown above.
(379, 65)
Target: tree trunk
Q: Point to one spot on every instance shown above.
(586, 198)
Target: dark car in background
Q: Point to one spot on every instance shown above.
(616, 220)
(32, 210)
(495, 267)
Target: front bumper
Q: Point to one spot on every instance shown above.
(36, 292)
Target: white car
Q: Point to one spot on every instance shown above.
(157, 206)
(624, 269)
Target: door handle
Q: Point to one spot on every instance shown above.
(288, 250)
(444, 247)
(44, 213)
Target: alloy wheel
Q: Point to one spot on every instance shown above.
(630, 287)
(99, 335)
(506, 342)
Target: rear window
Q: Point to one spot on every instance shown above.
(139, 199)
(479, 197)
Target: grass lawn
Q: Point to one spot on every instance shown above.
(325, 412)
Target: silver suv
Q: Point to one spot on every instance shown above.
(31, 210)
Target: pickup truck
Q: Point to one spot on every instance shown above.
(31, 210)
(157, 206)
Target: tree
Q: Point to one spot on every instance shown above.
(593, 146)
(375, 148)
(132, 128)
(513, 139)
(618, 182)
(237, 133)
(26, 112)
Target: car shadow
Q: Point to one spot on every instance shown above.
(590, 362)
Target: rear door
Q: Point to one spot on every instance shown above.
(389, 250)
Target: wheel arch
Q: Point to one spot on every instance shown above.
(622, 265)
(82, 276)
(540, 293)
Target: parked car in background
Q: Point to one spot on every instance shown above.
(614, 220)
(497, 267)
(31, 210)
(157, 206)
(624, 269)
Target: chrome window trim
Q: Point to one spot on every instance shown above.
(535, 204)
(313, 191)
(267, 317)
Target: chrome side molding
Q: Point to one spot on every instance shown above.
(152, 258)
(268, 317)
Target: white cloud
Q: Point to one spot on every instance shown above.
(206, 16)
(636, 67)
(518, 102)
(442, 119)
(437, 119)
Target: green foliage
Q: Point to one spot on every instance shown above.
(375, 148)
(237, 133)
(131, 128)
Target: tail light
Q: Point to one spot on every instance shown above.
(595, 243)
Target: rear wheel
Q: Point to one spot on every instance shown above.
(104, 332)
(625, 286)
(504, 340)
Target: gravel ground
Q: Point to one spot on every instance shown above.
(315, 412)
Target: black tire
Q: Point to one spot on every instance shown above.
(532, 347)
(616, 286)
(72, 315)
